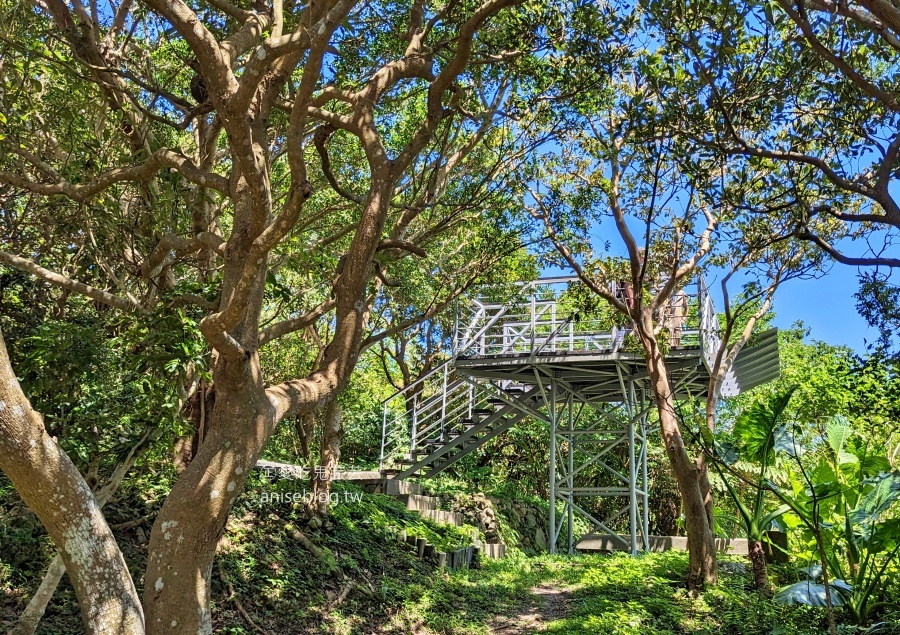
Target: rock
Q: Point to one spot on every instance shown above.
(530, 521)
(733, 568)
(540, 540)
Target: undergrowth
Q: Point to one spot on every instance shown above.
(360, 580)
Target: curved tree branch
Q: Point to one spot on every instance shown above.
(139, 173)
(64, 282)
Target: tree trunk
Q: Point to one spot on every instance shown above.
(700, 536)
(304, 425)
(187, 530)
(330, 454)
(192, 520)
(712, 401)
(30, 618)
(28, 621)
(757, 555)
(51, 486)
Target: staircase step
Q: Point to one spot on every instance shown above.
(393, 487)
(441, 516)
(397, 487)
(483, 412)
(420, 502)
(494, 550)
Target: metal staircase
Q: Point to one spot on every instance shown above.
(445, 415)
(440, 426)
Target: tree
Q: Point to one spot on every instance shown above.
(186, 177)
(805, 91)
(55, 491)
(676, 208)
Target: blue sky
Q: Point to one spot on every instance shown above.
(827, 306)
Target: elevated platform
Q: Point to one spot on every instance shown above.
(597, 376)
(536, 353)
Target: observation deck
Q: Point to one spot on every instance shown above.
(550, 350)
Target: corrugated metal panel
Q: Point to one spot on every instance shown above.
(755, 365)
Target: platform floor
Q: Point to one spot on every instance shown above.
(597, 376)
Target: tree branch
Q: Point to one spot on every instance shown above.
(847, 260)
(285, 327)
(64, 282)
(139, 173)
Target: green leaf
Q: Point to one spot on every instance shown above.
(878, 500)
(839, 432)
(812, 593)
(757, 427)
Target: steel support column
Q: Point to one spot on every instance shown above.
(551, 409)
(570, 478)
(632, 469)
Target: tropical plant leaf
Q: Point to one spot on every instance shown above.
(878, 500)
(756, 427)
(872, 464)
(786, 442)
(727, 452)
(813, 593)
(812, 572)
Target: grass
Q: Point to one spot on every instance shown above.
(614, 594)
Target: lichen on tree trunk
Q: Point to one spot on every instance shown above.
(52, 487)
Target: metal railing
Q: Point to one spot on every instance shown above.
(542, 318)
(426, 411)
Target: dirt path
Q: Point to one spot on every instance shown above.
(548, 602)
